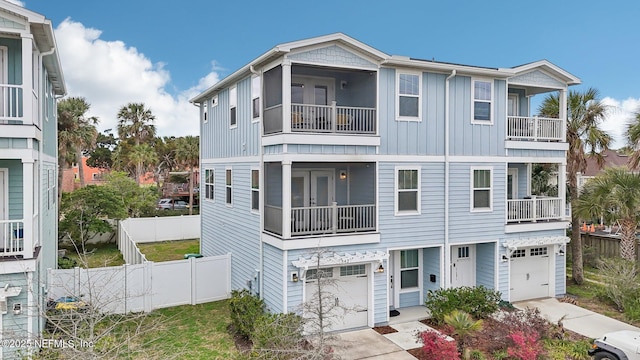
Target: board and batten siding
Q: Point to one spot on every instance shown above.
(418, 230)
(486, 265)
(232, 229)
(468, 226)
(273, 277)
(219, 140)
(425, 137)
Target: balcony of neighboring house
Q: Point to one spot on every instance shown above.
(303, 99)
(535, 196)
(319, 199)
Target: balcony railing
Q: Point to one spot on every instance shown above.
(11, 111)
(534, 209)
(534, 128)
(12, 238)
(314, 220)
(333, 119)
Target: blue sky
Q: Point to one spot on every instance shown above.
(162, 53)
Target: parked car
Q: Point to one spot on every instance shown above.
(617, 345)
(168, 204)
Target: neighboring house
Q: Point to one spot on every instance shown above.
(612, 158)
(30, 81)
(92, 176)
(414, 174)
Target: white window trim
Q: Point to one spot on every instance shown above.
(491, 103)
(214, 101)
(228, 186)
(256, 96)
(233, 103)
(213, 185)
(408, 118)
(418, 211)
(471, 187)
(400, 269)
(205, 112)
(252, 190)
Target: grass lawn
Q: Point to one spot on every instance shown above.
(190, 332)
(98, 255)
(169, 250)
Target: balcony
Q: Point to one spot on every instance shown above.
(527, 128)
(322, 220)
(535, 209)
(12, 106)
(12, 239)
(332, 119)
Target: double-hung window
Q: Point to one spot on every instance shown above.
(228, 187)
(482, 101)
(233, 106)
(408, 100)
(407, 191)
(409, 269)
(209, 182)
(255, 98)
(481, 190)
(255, 190)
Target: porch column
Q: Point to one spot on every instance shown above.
(562, 188)
(27, 81)
(286, 97)
(27, 206)
(286, 199)
(562, 97)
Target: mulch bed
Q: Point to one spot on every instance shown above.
(382, 330)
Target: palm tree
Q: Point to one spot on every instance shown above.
(585, 137)
(188, 154)
(141, 158)
(136, 122)
(615, 195)
(463, 325)
(633, 140)
(76, 133)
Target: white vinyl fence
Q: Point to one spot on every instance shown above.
(164, 228)
(146, 287)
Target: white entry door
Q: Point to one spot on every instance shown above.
(463, 263)
(529, 273)
(512, 183)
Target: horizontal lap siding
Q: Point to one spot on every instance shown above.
(412, 230)
(15, 326)
(380, 289)
(560, 275)
(410, 299)
(485, 265)
(431, 266)
(234, 229)
(331, 149)
(15, 188)
(273, 287)
(466, 226)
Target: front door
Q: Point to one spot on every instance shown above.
(512, 183)
(311, 197)
(462, 266)
(512, 106)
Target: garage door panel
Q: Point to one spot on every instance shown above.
(529, 273)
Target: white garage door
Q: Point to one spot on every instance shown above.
(346, 295)
(530, 273)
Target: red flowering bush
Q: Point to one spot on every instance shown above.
(525, 347)
(437, 347)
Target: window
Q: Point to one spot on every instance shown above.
(353, 270)
(255, 190)
(313, 274)
(228, 186)
(408, 191)
(541, 251)
(409, 269)
(209, 182)
(214, 101)
(255, 96)
(482, 95)
(408, 102)
(205, 112)
(518, 253)
(51, 185)
(233, 102)
(481, 189)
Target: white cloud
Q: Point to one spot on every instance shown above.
(16, 2)
(620, 114)
(111, 74)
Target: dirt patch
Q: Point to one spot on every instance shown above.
(382, 330)
(243, 344)
(418, 354)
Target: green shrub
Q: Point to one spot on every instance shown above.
(245, 310)
(278, 336)
(477, 355)
(66, 263)
(479, 302)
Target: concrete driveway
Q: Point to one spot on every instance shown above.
(368, 344)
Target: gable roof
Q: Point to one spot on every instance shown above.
(550, 69)
(611, 159)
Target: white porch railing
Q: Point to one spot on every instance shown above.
(333, 119)
(11, 111)
(534, 209)
(332, 219)
(534, 128)
(12, 238)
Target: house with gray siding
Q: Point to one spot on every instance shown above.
(30, 81)
(391, 174)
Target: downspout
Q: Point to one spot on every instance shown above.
(261, 185)
(447, 250)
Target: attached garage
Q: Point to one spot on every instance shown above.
(530, 273)
(346, 295)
